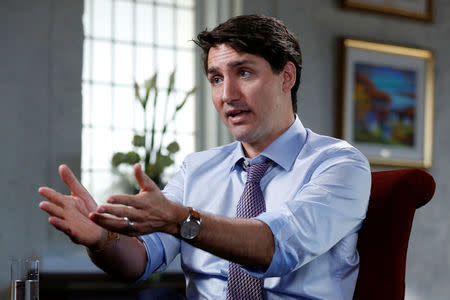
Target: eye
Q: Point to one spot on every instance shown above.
(216, 80)
(244, 73)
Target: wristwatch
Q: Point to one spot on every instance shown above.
(190, 227)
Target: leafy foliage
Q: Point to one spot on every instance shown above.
(155, 158)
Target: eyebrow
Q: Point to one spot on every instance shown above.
(232, 64)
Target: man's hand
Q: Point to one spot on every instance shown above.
(149, 210)
(70, 213)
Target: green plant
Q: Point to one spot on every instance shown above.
(155, 158)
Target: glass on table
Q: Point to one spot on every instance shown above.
(25, 279)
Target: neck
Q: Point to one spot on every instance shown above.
(253, 149)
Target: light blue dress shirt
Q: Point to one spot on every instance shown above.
(316, 197)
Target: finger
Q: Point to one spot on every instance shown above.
(72, 182)
(113, 224)
(60, 224)
(145, 183)
(119, 211)
(52, 209)
(75, 186)
(53, 196)
(128, 200)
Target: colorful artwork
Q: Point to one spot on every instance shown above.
(385, 105)
(386, 102)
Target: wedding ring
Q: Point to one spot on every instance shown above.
(130, 224)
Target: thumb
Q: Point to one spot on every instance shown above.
(145, 183)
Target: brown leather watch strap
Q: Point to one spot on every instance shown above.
(194, 213)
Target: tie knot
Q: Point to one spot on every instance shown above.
(256, 171)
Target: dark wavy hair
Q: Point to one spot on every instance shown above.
(259, 35)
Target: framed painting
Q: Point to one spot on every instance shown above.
(386, 102)
(415, 9)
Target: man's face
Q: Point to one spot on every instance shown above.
(252, 101)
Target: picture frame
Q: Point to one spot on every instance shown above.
(386, 102)
(414, 9)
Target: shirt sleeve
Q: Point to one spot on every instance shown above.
(329, 207)
(162, 248)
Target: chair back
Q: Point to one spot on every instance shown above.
(384, 235)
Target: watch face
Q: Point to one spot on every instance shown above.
(189, 229)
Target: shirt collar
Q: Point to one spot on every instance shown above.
(236, 156)
(283, 151)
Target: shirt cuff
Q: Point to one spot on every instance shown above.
(279, 265)
(152, 243)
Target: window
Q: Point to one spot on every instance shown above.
(127, 41)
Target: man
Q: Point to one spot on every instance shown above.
(290, 233)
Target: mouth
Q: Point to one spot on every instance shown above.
(235, 113)
(237, 116)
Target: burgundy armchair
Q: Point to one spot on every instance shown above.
(384, 235)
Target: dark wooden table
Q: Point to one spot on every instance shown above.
(101, 286)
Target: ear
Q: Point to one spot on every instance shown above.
(289, 75)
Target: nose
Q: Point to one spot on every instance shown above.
(230, 91)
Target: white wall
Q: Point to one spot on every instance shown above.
(40, 119)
